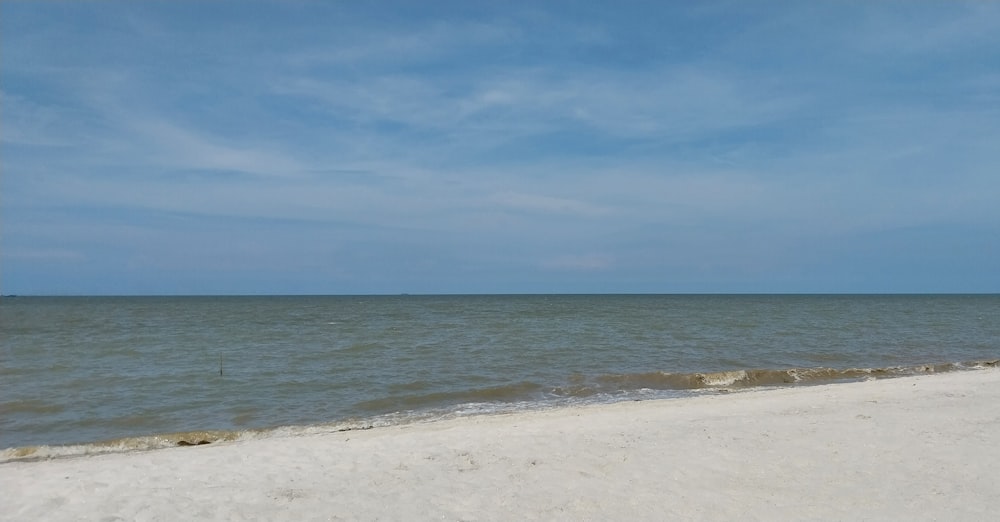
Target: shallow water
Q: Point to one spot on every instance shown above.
(82, 369)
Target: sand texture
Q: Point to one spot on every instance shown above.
(914, 448)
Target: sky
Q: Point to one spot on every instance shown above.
(499, 147)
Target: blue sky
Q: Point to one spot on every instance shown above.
(485, 147)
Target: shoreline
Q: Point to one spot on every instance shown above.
(919, 447)
(655, 385)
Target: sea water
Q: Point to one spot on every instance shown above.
(111, 373)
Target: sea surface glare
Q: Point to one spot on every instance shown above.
(133, 372)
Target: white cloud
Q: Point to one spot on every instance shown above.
(672, 103)
(533, 136)
(369, 47)
(548, 204)
(167, 145)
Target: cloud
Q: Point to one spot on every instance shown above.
(375, 48)
(434, 142)
(168, 145)
(503, 105)
(547, 204)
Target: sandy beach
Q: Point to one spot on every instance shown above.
(922, 447)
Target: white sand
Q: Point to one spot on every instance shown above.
(923, 448)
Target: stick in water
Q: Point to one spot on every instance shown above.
(220, 366)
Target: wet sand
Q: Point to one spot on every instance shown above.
(916, 448)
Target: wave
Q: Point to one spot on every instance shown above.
(510, 392)
(772, 377)
(502, 399)
(170, 440)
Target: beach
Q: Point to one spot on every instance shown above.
(921, 447)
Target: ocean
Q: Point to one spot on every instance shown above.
(83, 375)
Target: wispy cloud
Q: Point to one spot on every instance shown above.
(169, 146)
(711, 142)
(547, 204)
(373, 47)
